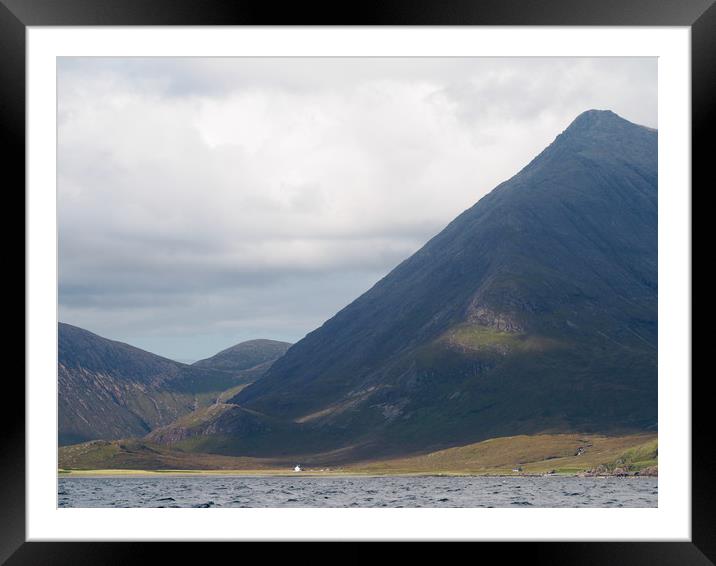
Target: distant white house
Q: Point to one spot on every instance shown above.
(297, 468)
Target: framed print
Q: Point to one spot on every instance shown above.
(419, 274)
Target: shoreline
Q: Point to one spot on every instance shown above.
(118, 473)
(560, 455)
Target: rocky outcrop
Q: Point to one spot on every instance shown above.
(500, 321)
(619, 471)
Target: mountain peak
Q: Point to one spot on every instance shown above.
(598, 121)
(600, 135)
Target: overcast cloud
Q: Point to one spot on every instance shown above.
(203, 202)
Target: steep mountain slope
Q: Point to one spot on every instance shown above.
(534, 310)
(111, 390)
(246, 355)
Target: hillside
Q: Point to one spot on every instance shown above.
(111, 390)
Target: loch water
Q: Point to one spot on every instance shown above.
(357, 491)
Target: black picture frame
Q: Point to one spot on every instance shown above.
(17, 15)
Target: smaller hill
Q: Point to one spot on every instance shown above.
(246, 355)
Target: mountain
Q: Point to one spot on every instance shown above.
(533, 311)
(246, 355)
(111, 390)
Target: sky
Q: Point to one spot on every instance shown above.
(203, 202)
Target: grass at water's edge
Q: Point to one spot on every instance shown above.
(553, 454)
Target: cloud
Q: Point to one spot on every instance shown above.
(203, 201)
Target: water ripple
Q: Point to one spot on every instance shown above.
(228, 491)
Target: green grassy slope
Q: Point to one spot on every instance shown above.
(536, 454)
